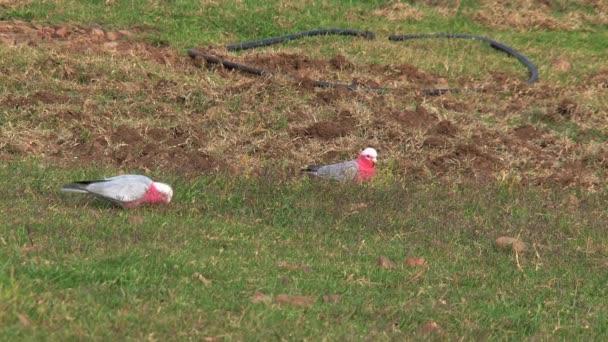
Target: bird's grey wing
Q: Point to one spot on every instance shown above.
(342, 171)
(124, 188)
(130, 178)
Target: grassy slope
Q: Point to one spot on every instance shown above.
(109, 273)
(105, 272)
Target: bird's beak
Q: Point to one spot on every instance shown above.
(374, 160)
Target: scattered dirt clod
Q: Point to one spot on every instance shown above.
(335, 298)
(299, 301)
(385, 262)
(449, 141)
(294, 266)
(136, 220)
(415, 262)
(340, 62)
(201, 278)
(412, 119)
(561, 65)
(509, 243)
(567, 108)
(260, 297)
(29, 248)
(25, 320)
(429, 327)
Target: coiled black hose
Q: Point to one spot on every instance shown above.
(499, 46)
(321, 32)
(193, 53)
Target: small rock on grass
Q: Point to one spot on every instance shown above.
(509, 243)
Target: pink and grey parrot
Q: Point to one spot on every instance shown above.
(361, 169)
(128, 191)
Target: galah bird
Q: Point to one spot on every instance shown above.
(360, 169)
(128, 191)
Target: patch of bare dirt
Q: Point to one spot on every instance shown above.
(333, 95)
(36, 98)
(467, 159)
(567, 108)
(445, 128)
(341, 63)
(414, 119)
(527, 132)
(449, 103)
(343, 125)
(441, 135)
(174, 149)
(397, 11)
(307, 70)
(572, 173)
(146, 121)
(282, 61)
(403, 72)
(436, 141)
(523, 15)
(81, 38)
(599, 79)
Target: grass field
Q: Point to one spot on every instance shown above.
(248, 249)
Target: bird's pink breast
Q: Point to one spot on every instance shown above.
(153, 196)
(367, 169)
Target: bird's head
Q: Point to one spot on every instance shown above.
(370, 154)
(165, 191)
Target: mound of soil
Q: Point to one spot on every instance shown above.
(445, 128)
(327, 130)
(173, 149)
(170, 122)
(527, 132)
(467, 159)
(341, 63)
(567, 108)
(333, 95)
(36, 98)
(414, 119)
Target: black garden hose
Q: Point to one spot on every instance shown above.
(193, 53)
(499, 46)
(321, 32)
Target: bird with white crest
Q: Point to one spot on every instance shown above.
(127, 191)
(361, 169)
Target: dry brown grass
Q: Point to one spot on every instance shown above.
(88, 97)
(523, 15)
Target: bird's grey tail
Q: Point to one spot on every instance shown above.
(75, 187)
(311, 169)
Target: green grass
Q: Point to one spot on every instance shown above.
(189, 270)
(107, 273)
